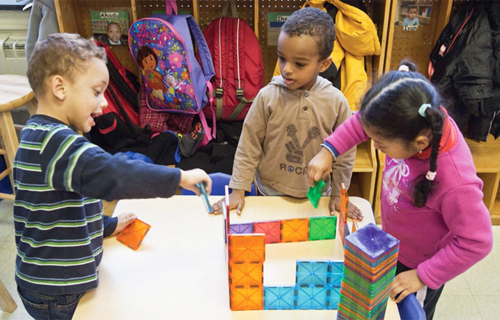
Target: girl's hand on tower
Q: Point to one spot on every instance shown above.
(236, 201)
(405, 283)
(320, 166)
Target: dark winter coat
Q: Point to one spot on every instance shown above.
(466, 63)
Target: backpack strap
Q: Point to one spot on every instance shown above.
(234, 12)
(201, 44)
(171, 7)
(240, 94)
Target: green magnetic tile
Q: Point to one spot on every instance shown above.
(322, 228)
(358, 297)
(354, 277)
(355, 308)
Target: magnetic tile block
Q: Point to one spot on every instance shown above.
(342, 228)
(246, 248)
(312, 273)
(279, 298)
(344, 201)
(241, 228)
(133, 234)
(335, 279)
(272, 230)
(295, 230)
(337, 266)
(333, 297)
(372, 241)
(246, 274)
(310, 297)
(314, 193)
(246, 298)
(322, 228)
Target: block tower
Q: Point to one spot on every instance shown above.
(370, 256)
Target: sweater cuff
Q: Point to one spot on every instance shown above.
(330, 148)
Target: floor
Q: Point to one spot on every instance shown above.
(471, 296)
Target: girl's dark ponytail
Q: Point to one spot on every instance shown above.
(424, 187)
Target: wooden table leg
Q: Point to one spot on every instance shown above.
(7, 304)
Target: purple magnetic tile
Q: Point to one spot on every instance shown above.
(241, 228)
(372, 241)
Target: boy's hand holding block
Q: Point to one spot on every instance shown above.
(314, 193)
(133, 234)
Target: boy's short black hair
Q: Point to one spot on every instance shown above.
(315, 23)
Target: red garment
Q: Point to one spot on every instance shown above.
(161, 121)
(448, 139)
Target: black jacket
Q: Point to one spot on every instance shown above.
(466, 62)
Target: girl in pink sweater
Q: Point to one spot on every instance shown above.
(431, 197)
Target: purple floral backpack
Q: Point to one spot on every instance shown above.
(174, 81)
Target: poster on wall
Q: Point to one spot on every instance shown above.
(110, 27)
(274, 22)
(413, 14)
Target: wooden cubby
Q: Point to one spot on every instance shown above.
(417, 46)
(74, 17)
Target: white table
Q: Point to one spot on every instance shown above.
(180, 270)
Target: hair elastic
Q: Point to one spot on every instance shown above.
(430, 175)
(422, 109)
(404, 68)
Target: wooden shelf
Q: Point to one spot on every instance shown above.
(364, 172)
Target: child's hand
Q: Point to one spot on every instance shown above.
(404, 284)
(320, 166)
(190, 178)
(236, 201)
(353, 212)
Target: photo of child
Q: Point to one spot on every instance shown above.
(114, 33)
(110, 27)
(411, 19)
(412, 14)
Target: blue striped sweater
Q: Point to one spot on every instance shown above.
(60, 178)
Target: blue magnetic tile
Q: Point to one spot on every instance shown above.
(310, 297)
(335, 279)
(337, 266)
(372, 241)
(333, 298)
(279, 298)
(312, 273)
(241, 228)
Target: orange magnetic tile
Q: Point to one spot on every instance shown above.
(246, 298)
(247, 248)
(133, 234)
(344, 201)
(246, 274)
(295, 230)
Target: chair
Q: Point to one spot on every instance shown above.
(410, 309)
(219, 181)
(15, 91)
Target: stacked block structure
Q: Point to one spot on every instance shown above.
(317, 287)
(246, 271)
(317, 282)
(370, 257)
(290, 230)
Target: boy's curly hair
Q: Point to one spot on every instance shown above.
(64, 54)
(315, 23)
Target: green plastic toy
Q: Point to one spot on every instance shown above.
(314, 193)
